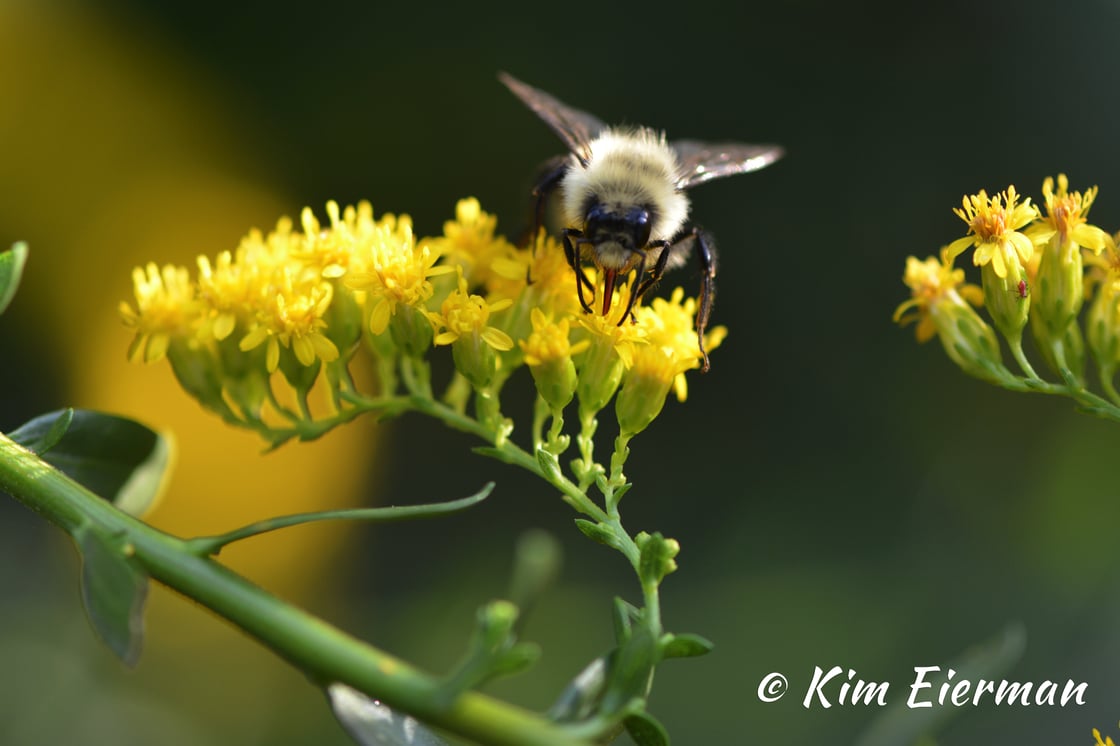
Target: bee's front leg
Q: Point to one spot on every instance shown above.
(572, 256)
(676, 256)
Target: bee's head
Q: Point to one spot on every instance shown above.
(628, 227)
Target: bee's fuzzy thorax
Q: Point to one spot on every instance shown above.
(627, 168)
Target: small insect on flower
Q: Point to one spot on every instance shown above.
(623, 202)
(1023, 290)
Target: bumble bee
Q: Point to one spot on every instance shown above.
(623, 202)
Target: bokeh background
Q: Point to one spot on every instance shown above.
(843, 496)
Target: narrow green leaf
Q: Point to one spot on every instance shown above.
(205, 545)
(597, 532)
(631, 671)
(114, 588)
(11, 269)
(550, 465)
(684, 645)
(370, 723)
(43, 433)
(114, 457)
(495, 453)
(623, 617)
(645, 730)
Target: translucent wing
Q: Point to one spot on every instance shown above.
(704, 161)
(576, 128)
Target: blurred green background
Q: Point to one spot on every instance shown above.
(842, 495)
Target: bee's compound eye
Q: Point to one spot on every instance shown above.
(639, 219)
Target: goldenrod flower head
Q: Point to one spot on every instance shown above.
(1102, 324)
(469, 241)
(167, 307)
(1067, 214)
(465, 318)
(549, 340)
(463, 314)
(993, 226)
(548, 353)
(293, 317)
(932, 283)
(393, 270)
(607, 331)
(327, 252)
(1060, 273)
(941, 301)
(611, 351)
(229, 289)
(670, 330)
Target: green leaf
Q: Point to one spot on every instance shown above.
(631, 669)
(597, 532)
(495, 453)
(371, 723)
(116, 458)
(206, 545)
(43, 433)
(623, 617)
(11, 269)
(684, 645)
(900, 725)
(114, 588)
(645, 730)
(550, 465)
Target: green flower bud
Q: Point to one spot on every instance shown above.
(1059, 290)
(968, 340)
(1102, 326)
(600, 372)
(411, 331)
(1007, 299)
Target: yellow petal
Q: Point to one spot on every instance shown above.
(324, 348)
(273, 357)
(446, 338)
(305, 353)
(157, 347)
(958, 247)
(1090, 236)
(223, 326)
(253, 338)
(497, 339)
(1023, 246)
(379, 317)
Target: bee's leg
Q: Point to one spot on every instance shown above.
(677, 255)
(572, 255)
(656, 271)
(707, 251)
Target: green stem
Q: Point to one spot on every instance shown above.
(324, 653)
(1107, 372)
(1017, 352)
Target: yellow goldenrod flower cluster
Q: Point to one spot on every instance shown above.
(1037, 267)
(289, 304)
